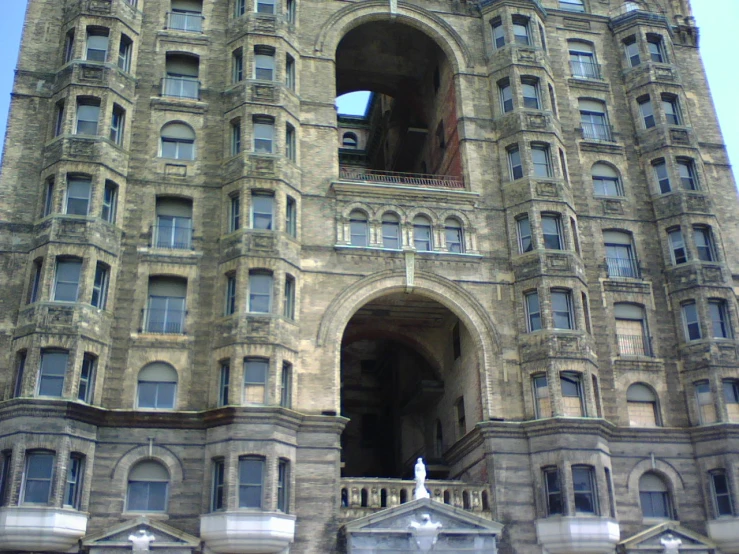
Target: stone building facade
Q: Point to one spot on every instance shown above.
(231, 321)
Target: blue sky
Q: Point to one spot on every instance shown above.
(718, 21)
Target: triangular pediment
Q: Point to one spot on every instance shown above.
(658, 537)
(401, 517)
(164, 536)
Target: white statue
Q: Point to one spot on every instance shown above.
(420, 491)
(671, 544)
(141, 541)
(425, 533)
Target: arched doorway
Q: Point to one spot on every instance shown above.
(409, 386)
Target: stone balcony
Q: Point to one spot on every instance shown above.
(361, 496)
(40, 528)
(247, 531)
(578, 534)
(724, 533)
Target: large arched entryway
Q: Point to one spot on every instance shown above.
(409, 386)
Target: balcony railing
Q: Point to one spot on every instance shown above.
(377, 493)
(349, 173)
(622, 268)
(164, 321)
(634, 345)
(597, 131)
(181, 87)
(185, 21)
(586, 70)
(172, 238)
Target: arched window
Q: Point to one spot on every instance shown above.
(454, 235)
(157, 387)
(631, 330)
(606, 181)
(148, 484)
(349, 140)
(178, 142)
(422, 239)
(358, 228)
(390, 231)
(642, 406)
(654, 497)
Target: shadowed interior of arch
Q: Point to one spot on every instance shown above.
(410, 123)
(408, 379)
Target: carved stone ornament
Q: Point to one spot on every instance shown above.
(140, 542)
(671, 544)
(425, 533)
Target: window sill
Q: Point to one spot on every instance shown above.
(159, 516)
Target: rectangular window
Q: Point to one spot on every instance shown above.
(255, 380)
(572, 5)
(533, 311)
(721, 494)
(49, 197)
(542, 401)
(6, 458)
(69, 46)
(583, 483)
(35, 287)
(67, 280)
(691, 321)
(290, 12)
(672, 110)
(704, 399)
(230, 307)
(166, 314)
(506, 96)
(100, 286)
(551, 228)
(524, 235)
(562, 312)
(283, 490)
(88, 113)
(97, 45)
(73, 486)
(731, 399)
(656, 49)
(266, 6)
(78, 195)
(239, 8)
(720, 324)
(219, 485)
(704, 244)
(573, 399)
(530, 90)
(260, 292)
(110, 202)
(290, 144)
(288, 310)
(237, 66)
(59, 119)
(521, 31)
(647, 112)
(498, 33)
(19, 374)
(461, 417)
(264, 67)
(553, 491)
(224, 382)
(291, 221)
(234, 219)
(514, 163)
(688, 176)
(263, 137)
(286, 385)
(290, 72)
(663, 178)
(235, 137)
(632, 52)
(678, 253)
(86, 389)
(251, 474)
(125, 52)
(37, 478)
(541, 160)
(51, 374)
(261, 210)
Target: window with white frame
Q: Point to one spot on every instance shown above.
(20, 374)
(654, 497)
(731, 399)
(521, 31)
(594, 120)
(186, 15)
(230, 297)
(704, 243)
(283, 489)
(79, 189)
(88, 114)
(178, 142)
(235, 137)
(631, 48)
(218, 498)
(573, 396)
(52, 372)
(110, 202)
(647, 111)
(723, 503)
(251, 482)
(498, 31)
(264, 63)
(286, 385)
(291, 12)
(358, 228)
(290, 143)
(38, 477)
(239, 8)
(224, 383)
(237, 65)
(265, 6)
(631, 330)
(671, 107)
(551, 229)
(656, 47)
(514, 162)
(125, 53)
(117, 124)
(234, 212)
(291, 217)
(173, 228)
(391, 231)
(691, 321)
(688, 175)
(678, 252)
(148, 487)
(422, 238)
(86, 388)
(97, 44)
(99, 297)
(73, 483)
(704, 401)
(541, 160)
(181, 79)
(59, 118)
(542, 399)
(586, 493)
(67, 279)
(523, 226)
(572, 5)
(262, 210)
(530, 93)
(264, 135)
(553, 491)
(288, 308)
(720, 322)
(642, 407)
(454, 236)
(157, 387)
(69, 46)
(506, 96)
(255, 380)
(260, 291)
(582, 60)
(533, 311)
(35, 287)
(290, 72)
(165, 308)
